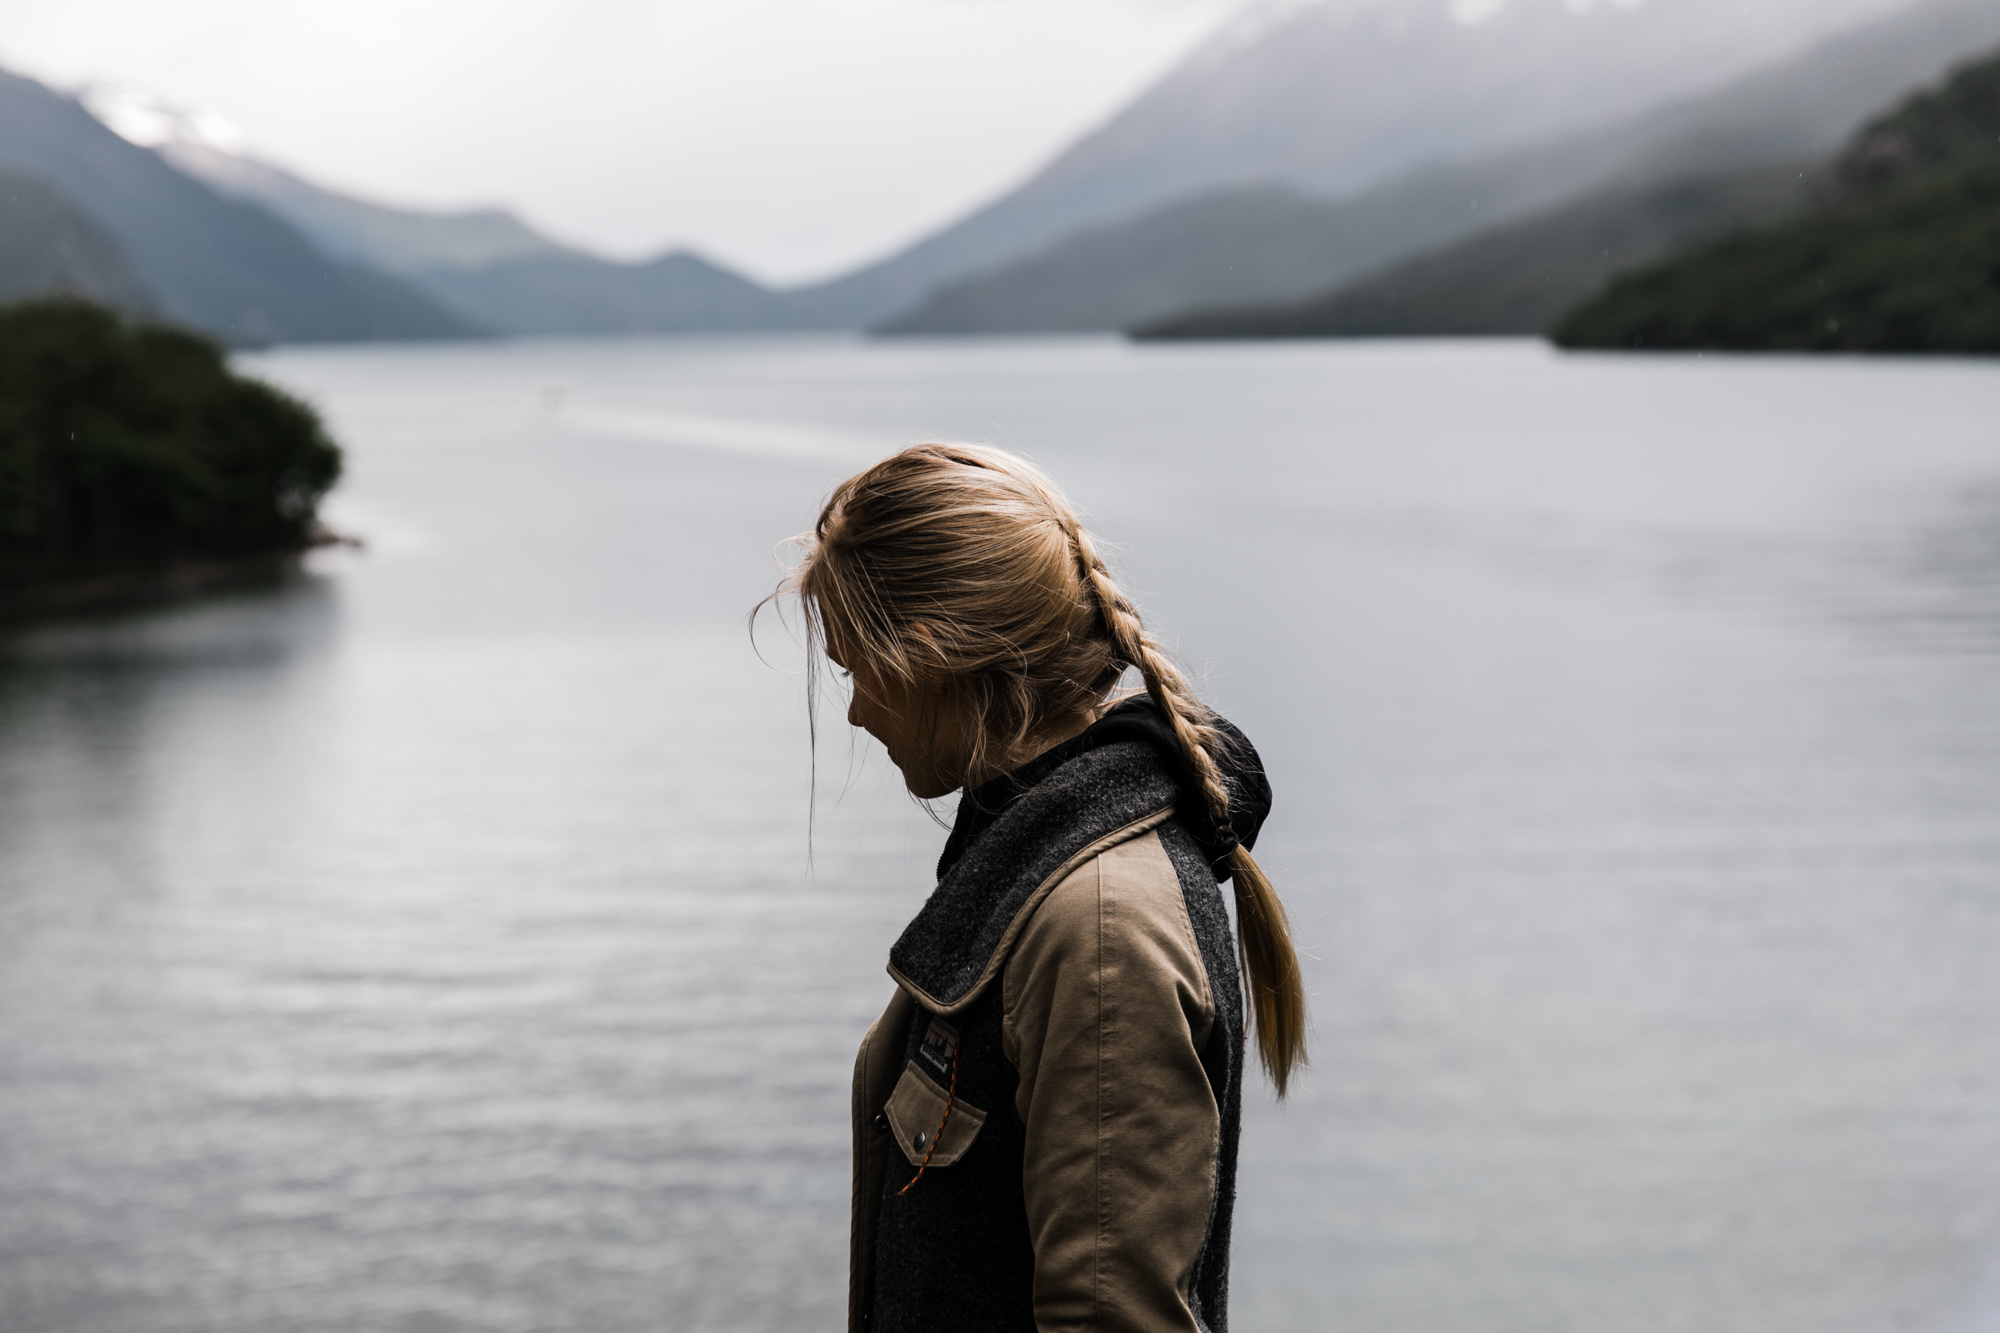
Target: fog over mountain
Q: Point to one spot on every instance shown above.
(1337, 96)
(396, 240)
(1331, 98)
(1517, 278)
(1897, 254)
(1257, 244)
(49, 245)
(678, 292)
(217, 264)
(486, 266)
(1307, 142)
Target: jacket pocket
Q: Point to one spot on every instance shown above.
(917, 1116)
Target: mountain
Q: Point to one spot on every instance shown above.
(1420, 116)
(1342, 97)
(48, 246)
(1902, 256)
(1305, 145)
(1193, 254)
(485, 266)
(1516, 279)
(1209, 248)
(395, 240)
(230, 268)
(676, 293)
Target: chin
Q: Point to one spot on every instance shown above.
(928, 789)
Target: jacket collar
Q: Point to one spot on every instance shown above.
(952, 950)
(1137, 719)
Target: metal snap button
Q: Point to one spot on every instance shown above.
(921, 1139)
(881, 1123)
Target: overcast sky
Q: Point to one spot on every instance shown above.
(790, 137)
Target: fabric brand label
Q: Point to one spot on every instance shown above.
(940, 1044)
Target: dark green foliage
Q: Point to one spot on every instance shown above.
(1918, 271)
(1903, 256)
(1956, 127)
(129, 447)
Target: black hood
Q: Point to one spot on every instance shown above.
(1136, 719)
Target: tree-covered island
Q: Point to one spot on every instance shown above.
(133, 458)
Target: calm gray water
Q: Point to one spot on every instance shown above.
(434, 942)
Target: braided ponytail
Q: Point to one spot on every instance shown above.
(961, 569)
(1264, 933)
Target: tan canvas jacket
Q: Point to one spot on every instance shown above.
(1106, 1009)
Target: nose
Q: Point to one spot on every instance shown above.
(854, 708)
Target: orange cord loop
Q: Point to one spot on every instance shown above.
(950, 1099)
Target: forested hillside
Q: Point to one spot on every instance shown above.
(1901, 255)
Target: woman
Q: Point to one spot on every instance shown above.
(1046, 1116)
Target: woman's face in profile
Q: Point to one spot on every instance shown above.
(923, 735)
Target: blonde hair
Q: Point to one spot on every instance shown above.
(958, 571)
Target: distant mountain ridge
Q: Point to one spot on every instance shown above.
(1184, 257)
(216, 264)
(579, 294)
(1307, 146)
(487, 266)
(1397, 105)
(1348, 98)
(1518, 278)
(395, 240)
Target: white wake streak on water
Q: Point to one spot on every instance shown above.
(774, 439)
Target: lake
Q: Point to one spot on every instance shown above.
(466, 935)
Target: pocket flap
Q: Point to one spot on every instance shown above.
(916, 1109)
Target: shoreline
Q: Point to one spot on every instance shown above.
(133, 589)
